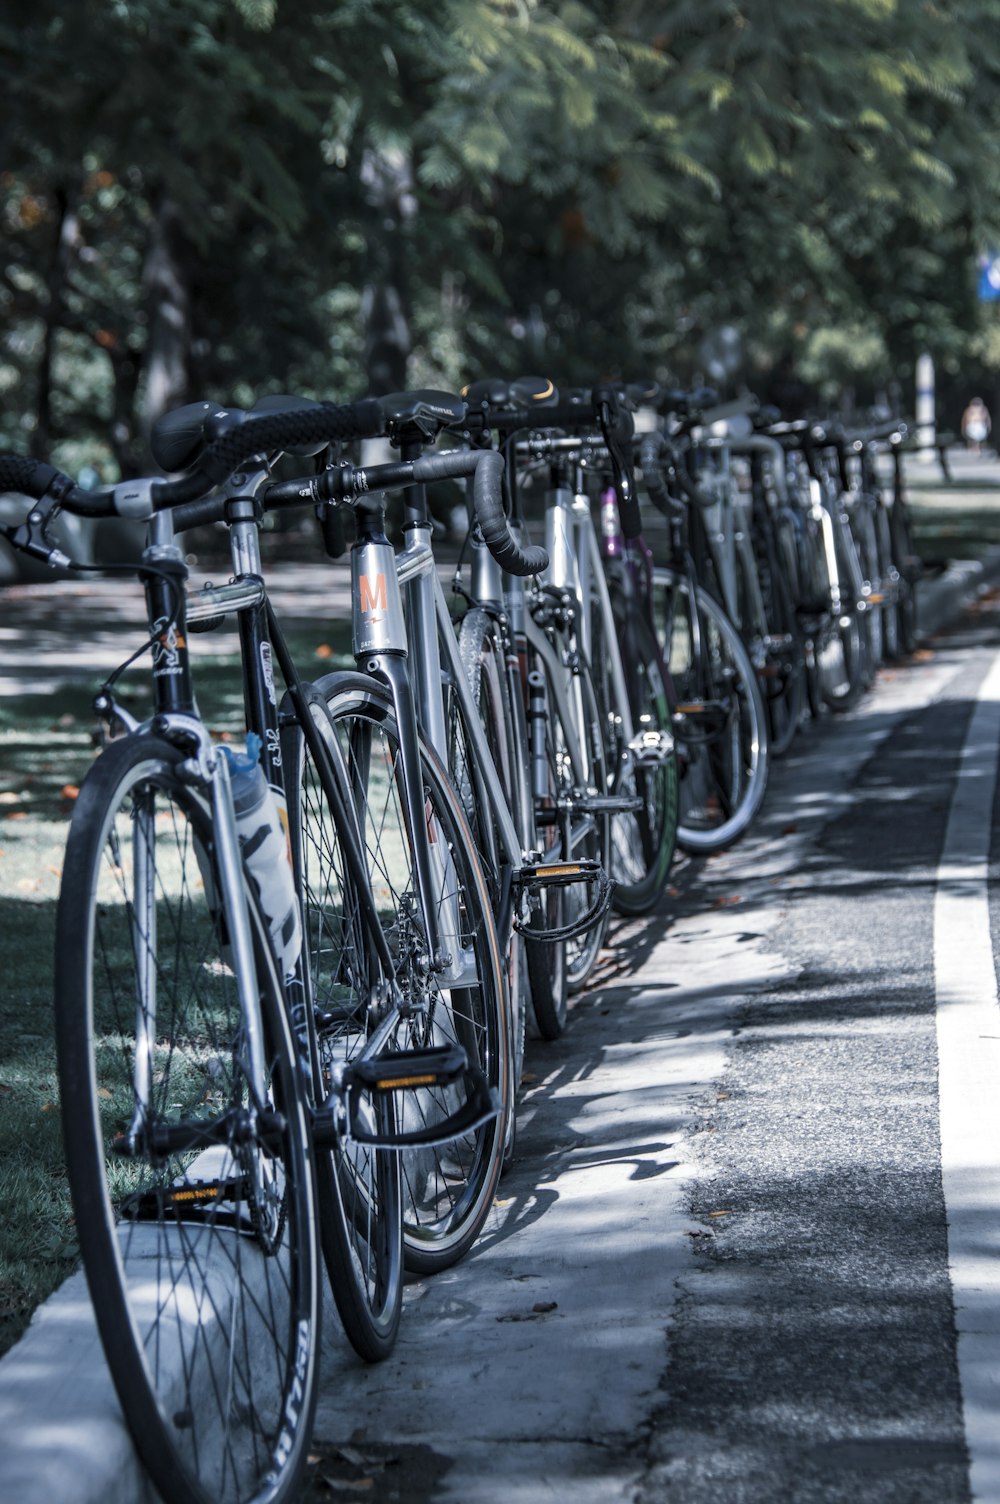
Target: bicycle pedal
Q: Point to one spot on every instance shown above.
(651, 749)
(223, 1202)
(608, 804)
(694, 709)
(441, 1066)
(559, 874)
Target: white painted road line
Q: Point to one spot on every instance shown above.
(968, 1033)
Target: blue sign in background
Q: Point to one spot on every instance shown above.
(989, 277)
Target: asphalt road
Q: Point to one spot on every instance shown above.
(720, 1267)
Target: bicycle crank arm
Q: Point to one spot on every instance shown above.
(158, 1141)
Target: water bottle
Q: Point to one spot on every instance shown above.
(262, 827)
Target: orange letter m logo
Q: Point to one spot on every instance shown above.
(373, 596)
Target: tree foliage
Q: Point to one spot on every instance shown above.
(230, 196)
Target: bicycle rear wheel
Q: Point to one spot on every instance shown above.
(447, 1189)
(195, 1208)
(358, 1184)
(718, 715)
(643, 839)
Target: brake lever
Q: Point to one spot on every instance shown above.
(613, 417)
(30, 537)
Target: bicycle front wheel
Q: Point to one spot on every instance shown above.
(192, 1184)
(447, 1188)
(358, 1184)
(718, 714)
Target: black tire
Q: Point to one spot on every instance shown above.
(447, 1190)
(875, 582)
(908, 564)
(843, 644)
(642, 841)
(567, 828)
(546, 959)
(358, 1185)
(482, 652)
(202, 1262)
(722, 740)
(782, 671)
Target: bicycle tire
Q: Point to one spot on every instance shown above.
(447, 1190)
(783, 672)
(843, 650)
(642, 841)
(725, 761)
(358, 1184)
(202, 1263)
(589, 834)
(908, 564)
(482, 655)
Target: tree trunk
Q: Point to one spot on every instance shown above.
(168, 305)
(65, 234)
(389, 190)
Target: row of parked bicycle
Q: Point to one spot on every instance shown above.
(292, 984)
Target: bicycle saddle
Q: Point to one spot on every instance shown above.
(418, 416)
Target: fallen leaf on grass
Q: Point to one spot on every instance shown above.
(69, 791)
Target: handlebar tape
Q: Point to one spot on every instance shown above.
(29, 477)
(568, 415)
(487, 499)
(325, 421)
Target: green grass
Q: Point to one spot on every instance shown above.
(956, 519)
(46, 746)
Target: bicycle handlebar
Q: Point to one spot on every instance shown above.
(141, 497)
(348, 483)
